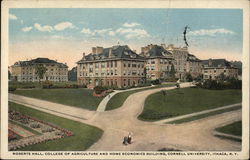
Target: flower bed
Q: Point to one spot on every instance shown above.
(47, 131)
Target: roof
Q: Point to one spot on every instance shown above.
(192, 57)
(118, 52)
(39, 61)
(157, 51)
(216, 63)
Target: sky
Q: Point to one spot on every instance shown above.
(63, 34)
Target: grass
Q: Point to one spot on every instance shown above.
(118, 99)
(35, 84)
(233, 129)
(230, 138)
(84, 135)
(204, 115)
(80, 97)
(185, 101)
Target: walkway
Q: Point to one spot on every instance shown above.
(147, 136)
(102, 106)
(196, 114)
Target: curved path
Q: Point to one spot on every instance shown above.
(193, 136)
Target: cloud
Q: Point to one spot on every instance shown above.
(101, 31)
(131, 24)
(98, 32)
(130, 33)
(58, 37)
(27, 29)
(86, 31)
(63, 25)
(45, 28)
(111, 33)
(210, 32)
(12, 17)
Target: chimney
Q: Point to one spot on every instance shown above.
(110, 52)
(94, 50)
(99, 50)
(164, 46)
(210, 62)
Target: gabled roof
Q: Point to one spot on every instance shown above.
(118, 52)
(157, 51)
(216, 63)
(192, 57)
(39, 61)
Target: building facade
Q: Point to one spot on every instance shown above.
(213, 68)
(185, 62)
(25, 71)
(115, 66)
(159, 61)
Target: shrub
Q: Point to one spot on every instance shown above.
(100, 89)
(217, 85)
(189, 77)
(11, 88)
(156, 82)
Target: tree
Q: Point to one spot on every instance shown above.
(222, 77)
(40, 71)
(189, 77)
(172, 71)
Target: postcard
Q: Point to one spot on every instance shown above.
(125, 79)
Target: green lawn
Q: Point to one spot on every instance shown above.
(204, 115)
(117, 100)
(80, 97)
(186, 100)
(84, 135)
(233, 129)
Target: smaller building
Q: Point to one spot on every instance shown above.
(25, 71)
(213, 68)
(159, 61)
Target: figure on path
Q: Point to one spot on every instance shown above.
(129, 138)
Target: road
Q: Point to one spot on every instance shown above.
(147, 136)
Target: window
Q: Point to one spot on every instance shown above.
(107, 64)
(115, 72)
(90, 70)
(103, 64)
(124, 64)
(96, 65)
(152, 62)
(115, 63)
(128, 64)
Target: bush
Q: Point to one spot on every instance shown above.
(156, 82)
(100, 89)
(218, 85)
(11, 88)
(189, 77)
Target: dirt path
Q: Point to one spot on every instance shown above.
(193, 136)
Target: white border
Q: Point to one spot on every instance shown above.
(236, 4)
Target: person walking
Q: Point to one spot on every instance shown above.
(129, 138)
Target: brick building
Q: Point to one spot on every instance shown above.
(115, 66)
(185, 62)
(25, 71)
(159, 61)
(213, 68)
